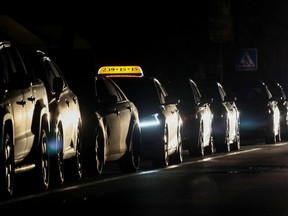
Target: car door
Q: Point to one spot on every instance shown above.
(232, 114)
(275, 113)
(20, 102)
(171, 113)
(66, 110)
(279, 94)
(109, 111)
(204, 111)
(124, 110)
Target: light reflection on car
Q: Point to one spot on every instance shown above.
(196, 115)
(111, 131)
(65, 145)
(260, 115)
(279, 94)
(161, 123)
(226, 116)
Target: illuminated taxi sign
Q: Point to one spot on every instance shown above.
(127, 71)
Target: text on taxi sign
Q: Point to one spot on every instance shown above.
(120, 70)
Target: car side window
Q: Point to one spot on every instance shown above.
(3, 69)
(112, 90)
(52, 71)
(269, 95)
(101, 90)
(49, 75)
(196, 93)
(161, 92)
(14, 70)
(222, 92)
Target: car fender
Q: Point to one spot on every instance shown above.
(41, 112)
(7, 120)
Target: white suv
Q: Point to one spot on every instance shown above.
(24, 116)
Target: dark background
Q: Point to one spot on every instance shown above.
(195, 39)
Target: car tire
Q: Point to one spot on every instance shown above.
(221, 140)
(236, 144)
(74, 169)
(130, 162)
(42, 166)
(210, 148)
(200, 151)
(177, 157)
(99, 155)
(7, 168)
(162, 160)
(57, 161)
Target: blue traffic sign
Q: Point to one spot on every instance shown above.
(246, 60)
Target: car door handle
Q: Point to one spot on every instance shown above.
(22, 102)
(31, 99)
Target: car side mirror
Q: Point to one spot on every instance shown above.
(206, 100)
(171, 100)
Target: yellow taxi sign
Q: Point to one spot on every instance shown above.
(131, 71)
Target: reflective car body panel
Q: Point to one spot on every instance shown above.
(65, 115)
(24, 115)
(160, 121)
(111, 122)
(226, 116)
(280, 96)
(260, 115)
(196, 115)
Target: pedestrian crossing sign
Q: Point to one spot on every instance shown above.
(247, 60)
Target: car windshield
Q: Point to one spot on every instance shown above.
(141, 91)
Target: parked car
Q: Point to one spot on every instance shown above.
(24, 115)
(65, 118)
(196, 115)
(279, 94)
(160, 120)
(226, 116)
(260, 115)
(111, 128)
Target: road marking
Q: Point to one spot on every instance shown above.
(126, 176)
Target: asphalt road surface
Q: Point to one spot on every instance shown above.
(251, 181)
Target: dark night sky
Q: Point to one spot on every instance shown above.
(172, 38)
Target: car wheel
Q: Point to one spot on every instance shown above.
(210, 147)
(99, 155)
(225, 146)
(60, 160)
(270, 137)
(7, 167)
(57, 161)
(279, 138)
(200, 147)
(236, 144)
(162, 160)
(284, 131)
(42, 167)
(75, 168)
(178, 156)
(130, 162)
